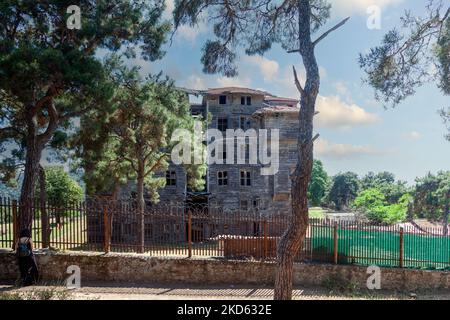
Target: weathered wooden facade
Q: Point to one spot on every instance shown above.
(241, 186)
(232, 187)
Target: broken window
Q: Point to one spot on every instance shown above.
(222, 178)
(245, 178)
(222, 124)
(222, 99)
(171, 178)
(246, 100)
(244, 205)
(244, 123)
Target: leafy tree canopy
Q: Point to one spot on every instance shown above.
(344, 189)
(432, 195)
(412, 55)
(61, 188)
(253, 25)
(50, 74)
(134, 142)
(318, 184)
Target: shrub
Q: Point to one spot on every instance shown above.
(373, 203)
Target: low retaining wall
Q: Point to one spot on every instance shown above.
(141, 268)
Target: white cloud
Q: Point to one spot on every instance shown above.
(268, 68)
(240, 81)
(413, 135)
(189, 34)
(195, 82)
(348, 7)
(343, 91)
(328, 149)
(170, 5)
(184, 32)
(337, 114)
(202, 81)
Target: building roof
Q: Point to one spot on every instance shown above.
(224, 90)
(276, 109)
(268, 97)
(273, 99)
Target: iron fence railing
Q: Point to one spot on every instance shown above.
(199, 231)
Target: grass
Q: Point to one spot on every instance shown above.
(317, 213)
(70, 232)
(382, 248)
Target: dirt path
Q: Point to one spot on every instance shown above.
(130, 291)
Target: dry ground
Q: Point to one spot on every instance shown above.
(130, 291)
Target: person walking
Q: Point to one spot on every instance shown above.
(27, 263)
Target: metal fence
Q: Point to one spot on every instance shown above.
(198, 231)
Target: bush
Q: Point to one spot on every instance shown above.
(373, 203)
(369, 199)
(61, 187)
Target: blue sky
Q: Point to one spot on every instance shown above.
(357, 133)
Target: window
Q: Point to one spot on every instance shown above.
(245, 178)
(244, 205)
(224, 154)
(222, 99)
(222, 178)
(171, 178)
(222, 124)
(246, 101)
(176, 228)
(244, 123)
(257, 203)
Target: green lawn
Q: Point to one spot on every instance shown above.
(317, 213)
(382, 248)
(67, 235)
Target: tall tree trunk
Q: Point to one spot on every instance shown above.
(35, 143)
(140, 209)
(33, 156)
(294, 236)
(43, 202)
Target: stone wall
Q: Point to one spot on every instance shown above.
(141, 268)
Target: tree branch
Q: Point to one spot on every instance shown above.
(52, 123)
(9, 133)
(297, 82)
(315, 138)
(325, 34)
(158, 162)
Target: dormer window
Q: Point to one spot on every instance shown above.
(246, 100)
(222, 99)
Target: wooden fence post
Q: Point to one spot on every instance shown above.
(335, 243)
(14, 217)
(265, 238)
(189, 234)
(106, 230)
(401, 248)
